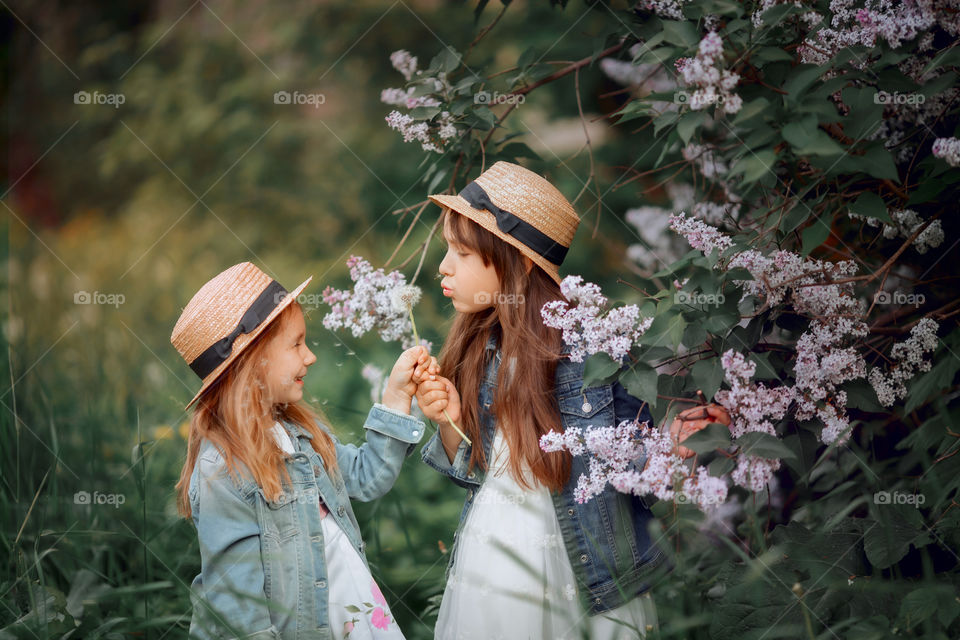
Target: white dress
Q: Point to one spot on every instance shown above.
(357, 609)
(511, 576)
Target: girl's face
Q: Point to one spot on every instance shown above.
(287, 361)
(471, 285)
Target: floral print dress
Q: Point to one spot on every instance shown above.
(357, 609)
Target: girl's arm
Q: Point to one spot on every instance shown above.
(369, 471)
(231, 596)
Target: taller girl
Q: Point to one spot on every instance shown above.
(528, 561)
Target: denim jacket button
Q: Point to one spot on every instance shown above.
(322, 584)
(471, 475)
(569, 512)
(341, 511)
(316, 538)
(583, 557)
(587, 407)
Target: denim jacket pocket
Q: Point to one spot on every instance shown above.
(279, 518)
(580, 407)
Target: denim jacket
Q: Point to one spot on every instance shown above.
(606, 538)
(263, 573)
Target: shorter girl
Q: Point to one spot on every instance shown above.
(268, 487)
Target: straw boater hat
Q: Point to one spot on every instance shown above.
(522, 208)
(224, 317)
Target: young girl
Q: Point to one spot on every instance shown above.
(268, 487)
(528, 560)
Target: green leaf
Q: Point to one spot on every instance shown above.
(640, 381)
(689, 123)
(713, 436)
(764, 445)
(750, 110)
(707, 374)
(681, 32)
(871, 205)
(754, 166)
(938, 378)
(814, 236)
(801, 77)
(599, 369)
(887, 542)
(920, 604)
(721, 466)
(424, 113)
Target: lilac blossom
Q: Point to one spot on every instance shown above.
(370, 305)
(433, 133)
(714, 84)
(589, 328)
(615, 453)
(948, 149)
(699, 234)
(908, 359)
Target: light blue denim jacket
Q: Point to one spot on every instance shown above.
(263, 573)
(606, 538)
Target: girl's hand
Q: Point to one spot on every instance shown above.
(426, 370)
(692, 420)
(401, 386)
(436, 394)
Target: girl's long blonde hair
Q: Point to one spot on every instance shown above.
(525, 401)
(234, 415)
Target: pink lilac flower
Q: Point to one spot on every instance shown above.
(403, 62)
(905, 223)
(699, 234)
(589, 328)
(370, 304)
(948, 149)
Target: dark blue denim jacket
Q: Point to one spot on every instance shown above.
(607, 537)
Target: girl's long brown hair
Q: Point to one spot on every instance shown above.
(235, 416)
(525, 406)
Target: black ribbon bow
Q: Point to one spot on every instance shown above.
(511, 224)
(217, 353)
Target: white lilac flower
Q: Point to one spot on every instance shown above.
(370, 305)
(403, 62)
(909, 358)
(948, 149)
(711, 82)
(588, 327)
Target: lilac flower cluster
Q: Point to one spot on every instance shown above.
(700, 235)
(909, 358)
(705, 72)
(431, 134)
(588, 327)
(372, 304)
(615, 456)
(948, 149)
(827, 355)
(894, 22)
(672, 9)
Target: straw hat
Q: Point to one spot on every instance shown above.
(523, 209)
(224, 317)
